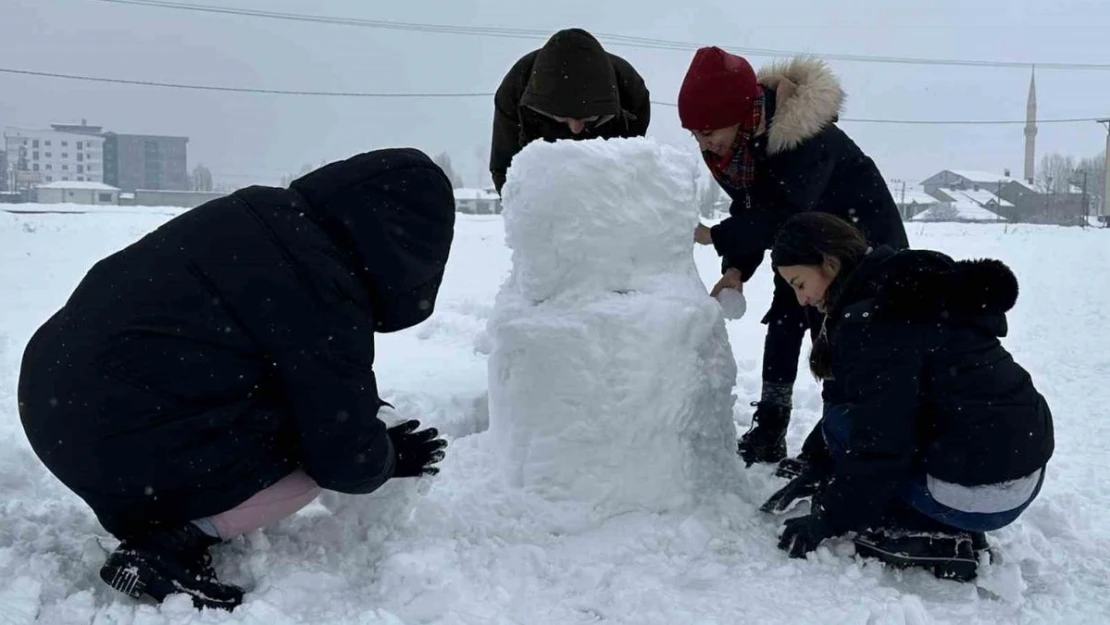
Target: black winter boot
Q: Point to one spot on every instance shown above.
(948, 555)
(765, 441)
(170, 561)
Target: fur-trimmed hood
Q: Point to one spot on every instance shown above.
(808, 97)
(922, 285)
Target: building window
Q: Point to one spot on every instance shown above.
(46, 143)
(80, 178)
(65, 144)
(35, 156)
(65, 167)
(49, 155)
(105, 198)
(49, 167)
(35, 167)
(80, 169)
(35, 143)
(80, 157)
(50, 178)
(79, 145)
(65, 154)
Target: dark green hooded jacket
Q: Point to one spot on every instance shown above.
(570, 76)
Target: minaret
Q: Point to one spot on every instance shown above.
(1031, 129)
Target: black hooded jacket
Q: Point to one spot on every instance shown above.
(235, 344)
(570, 76)
(921, 382)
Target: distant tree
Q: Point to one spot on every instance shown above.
(3, 171)
(1054, 172)
(444, 161)
(201, 179)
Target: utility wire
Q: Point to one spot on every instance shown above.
(398, 95)
(195, 87)
(615, 39)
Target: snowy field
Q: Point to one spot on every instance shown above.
(467, 548)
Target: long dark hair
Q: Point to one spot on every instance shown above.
(809, 239)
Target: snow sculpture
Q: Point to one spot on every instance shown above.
(610, 374)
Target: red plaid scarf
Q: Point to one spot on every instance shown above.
(737, 167)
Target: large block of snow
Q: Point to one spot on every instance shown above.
(610, 374)
(598, 215)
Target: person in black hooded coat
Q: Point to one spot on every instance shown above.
(932, 433)
(230, 353)
(571, 88)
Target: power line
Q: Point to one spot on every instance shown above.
(152, 83)
(398, 95)
(615, 39)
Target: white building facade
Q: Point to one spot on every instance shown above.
(38, 157)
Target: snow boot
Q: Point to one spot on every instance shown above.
(170, 561)
(765, 441)
(948, 555)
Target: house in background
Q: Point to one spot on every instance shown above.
(151, 162)
(72, 152)
(959, 211)
(912, 200)
(76, 192)
(1015, 200)
(477, 201)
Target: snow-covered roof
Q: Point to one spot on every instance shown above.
(986, 177)
(964, 210)
(913, 195)
(980, 197)
(476, 194)
(77, 184)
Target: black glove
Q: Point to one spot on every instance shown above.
(803, 534)
(805, 485)
(416, 451)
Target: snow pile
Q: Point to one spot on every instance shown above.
(610, 374)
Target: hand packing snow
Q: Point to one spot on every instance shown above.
(733, 303)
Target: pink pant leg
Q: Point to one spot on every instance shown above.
(268, 506)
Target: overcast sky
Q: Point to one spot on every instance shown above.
(245, 138)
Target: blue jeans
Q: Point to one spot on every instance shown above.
(914, 491)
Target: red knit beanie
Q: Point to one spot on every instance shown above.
(718, 91)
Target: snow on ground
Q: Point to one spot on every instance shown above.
(464, 548)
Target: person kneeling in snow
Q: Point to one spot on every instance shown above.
(933, 434)
(211, 378)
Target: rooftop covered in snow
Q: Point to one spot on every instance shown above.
(77, 184)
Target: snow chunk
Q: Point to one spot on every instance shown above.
(610, 372)
(733, 303)
(598, 215)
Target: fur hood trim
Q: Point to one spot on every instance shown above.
(808, 98)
